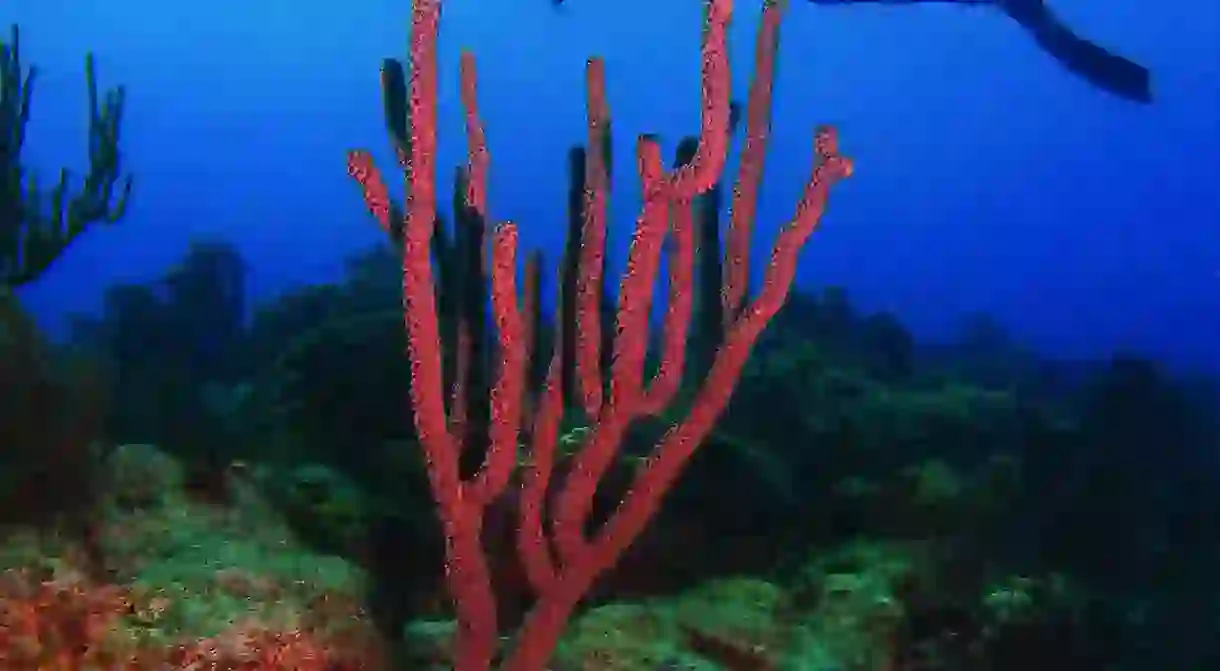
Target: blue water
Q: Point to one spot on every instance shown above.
(988, 178)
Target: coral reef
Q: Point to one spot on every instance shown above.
(51, 410)
(162, 580)
(184, 487)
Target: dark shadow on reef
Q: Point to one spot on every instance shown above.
(1032, 503)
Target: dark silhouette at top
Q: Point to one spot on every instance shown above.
(1102, 68)
(1105, 70)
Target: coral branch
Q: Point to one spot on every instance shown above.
(745, 191)
(593, 243)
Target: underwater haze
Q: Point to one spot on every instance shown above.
(981, 432)
(989, 179)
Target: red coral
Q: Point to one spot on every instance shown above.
(560, 558)
(68, 623)
(254, 649)
(56, 623)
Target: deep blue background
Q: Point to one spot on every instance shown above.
(988, 178)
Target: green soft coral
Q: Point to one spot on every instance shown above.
(37, 225)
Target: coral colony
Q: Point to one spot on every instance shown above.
(561, 561)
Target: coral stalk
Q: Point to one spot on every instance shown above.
(562, 561)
